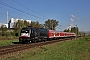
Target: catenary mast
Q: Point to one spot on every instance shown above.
(7, 17)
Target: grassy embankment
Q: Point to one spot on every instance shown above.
(7, 42)
(66, 50)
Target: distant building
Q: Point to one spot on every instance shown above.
(13, 20)
(6, 25)
(0, 24)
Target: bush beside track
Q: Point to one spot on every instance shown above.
(66, 50)
(9, 38)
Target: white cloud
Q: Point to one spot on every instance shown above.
(72, 19)
(78, 18)
(73, 16)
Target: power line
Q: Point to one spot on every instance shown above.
(28, 8)
(2, 3)
(12, 11)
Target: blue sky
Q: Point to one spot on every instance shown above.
(76, 12)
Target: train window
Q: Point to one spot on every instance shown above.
(51, 33)
(25, 31)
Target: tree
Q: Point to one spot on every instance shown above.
(19, 25)
(51, 24)
(3, 30)
(36, 24)
(26, 23)
(41, 25)
(32, 24)
(75, 30)
(66, 30)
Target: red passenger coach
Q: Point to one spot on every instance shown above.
(62, 34)
(51, 34)
(57, 34)
(73, 34)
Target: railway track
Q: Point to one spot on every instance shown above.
(18, 47)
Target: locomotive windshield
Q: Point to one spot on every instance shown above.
(24, 30)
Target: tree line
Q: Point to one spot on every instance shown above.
(49, 24)
(15, 31)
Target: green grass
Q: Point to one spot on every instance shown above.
(7, 42)
(66, 50)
